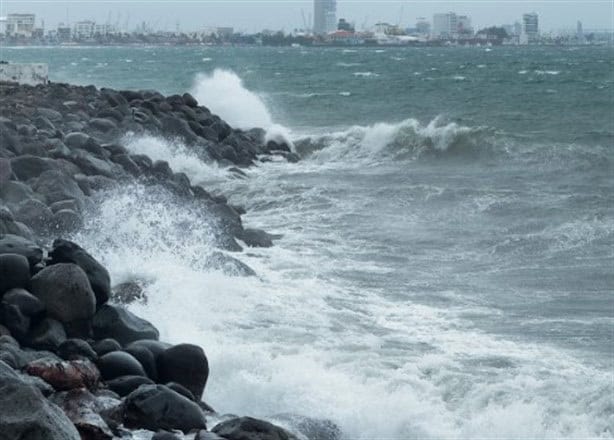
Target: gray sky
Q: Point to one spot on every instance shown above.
(253, 15)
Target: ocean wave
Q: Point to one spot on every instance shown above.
(366, 74)
(407, 139)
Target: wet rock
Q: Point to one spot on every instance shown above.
(118, 363)
(229, 265)
(156, 347)
(102, 124)
(124, 385)
(185, 364)
(56, 186)
(157, 407)
(5, 171)
(83, 409)
(26, 414)
(178, 388)
(34, 214)
(207, 435)
(311, 428)
(14, 272)
(76, 140)
(14, 320)
(27, 167)
(46, 335)
(118, 323)
(164, 435)
(128, 293)
(76, 349)
(247, 428)
(27, 303)
(146, 359)
(64, 204)
(64, 251)
(52, 115)
(257, 238)
(65, 375)
(189, 100)
(65, 221)
(13, 244)
(65, 290)
(106, 346)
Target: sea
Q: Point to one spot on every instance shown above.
(446, 265)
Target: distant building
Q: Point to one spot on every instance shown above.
(20, 25)
(2, 25)
(84, 29)
(63, 32)
(104, 29)
(445, 25)
(580, 33)
(224, 32)
(530, 28)
(463, 26)
(344, 26)
(423, 27)
(324, 16)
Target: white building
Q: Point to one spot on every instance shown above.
(84, 29)
(445, 25)
(104, 29)
(20, 25)
(325, 16)
(530, 28)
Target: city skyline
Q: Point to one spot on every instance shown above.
(253, 15)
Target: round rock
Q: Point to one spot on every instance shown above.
(119, 363)
(65, 291)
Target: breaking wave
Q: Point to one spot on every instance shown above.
(407, 139)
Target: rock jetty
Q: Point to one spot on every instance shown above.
(75, 363)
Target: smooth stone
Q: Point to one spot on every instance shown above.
(27, 303)
(248, 428)
(105, 346)
(111, 321)
(185, 364)
(14, 272)
(56, 186)
(155, 407)
(146, 359)
(119, 363)
(76, 349)
(48, 334)
(14, 244)
(124, 385)
(66, 292)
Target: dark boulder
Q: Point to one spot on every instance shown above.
(105, 346)
(102, 124)
(13, 193)
(65, 221)
(66, 292)
(124, 385)
(164, 435)
(118, 323)
(172, 126)
(34, 214)
(178, 388)
(85, 411)
(257, 238)
(65, 375)
(76, 140)
(48, 334)
(247, 428)
(156, 347)
(13, 244)
(14, 320)
(189, 100)
(27, 415)
(157, 407)
(27, 303)
(76, 349)
(65, 251)
(14, 272)
(146, 359)
(56, 186)
(128, 293)
(229, 265)
(64, 204)
(185, 364)
(311, 428)
(118, 363)
(27, 167)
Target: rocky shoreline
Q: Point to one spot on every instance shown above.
(74, 362)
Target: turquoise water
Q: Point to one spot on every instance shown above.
(446, 266)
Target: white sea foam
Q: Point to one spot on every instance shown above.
(366, 74)
(547, 72)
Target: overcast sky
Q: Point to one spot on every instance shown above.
(254, 15)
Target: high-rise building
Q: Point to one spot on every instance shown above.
(21, 25)
(445, 25)
(580, 32)
(530, 27)
(324, 16)
(463, 26)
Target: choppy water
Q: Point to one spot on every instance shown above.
(447, 267)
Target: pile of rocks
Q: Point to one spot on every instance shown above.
(73, 365)
(59, 144)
